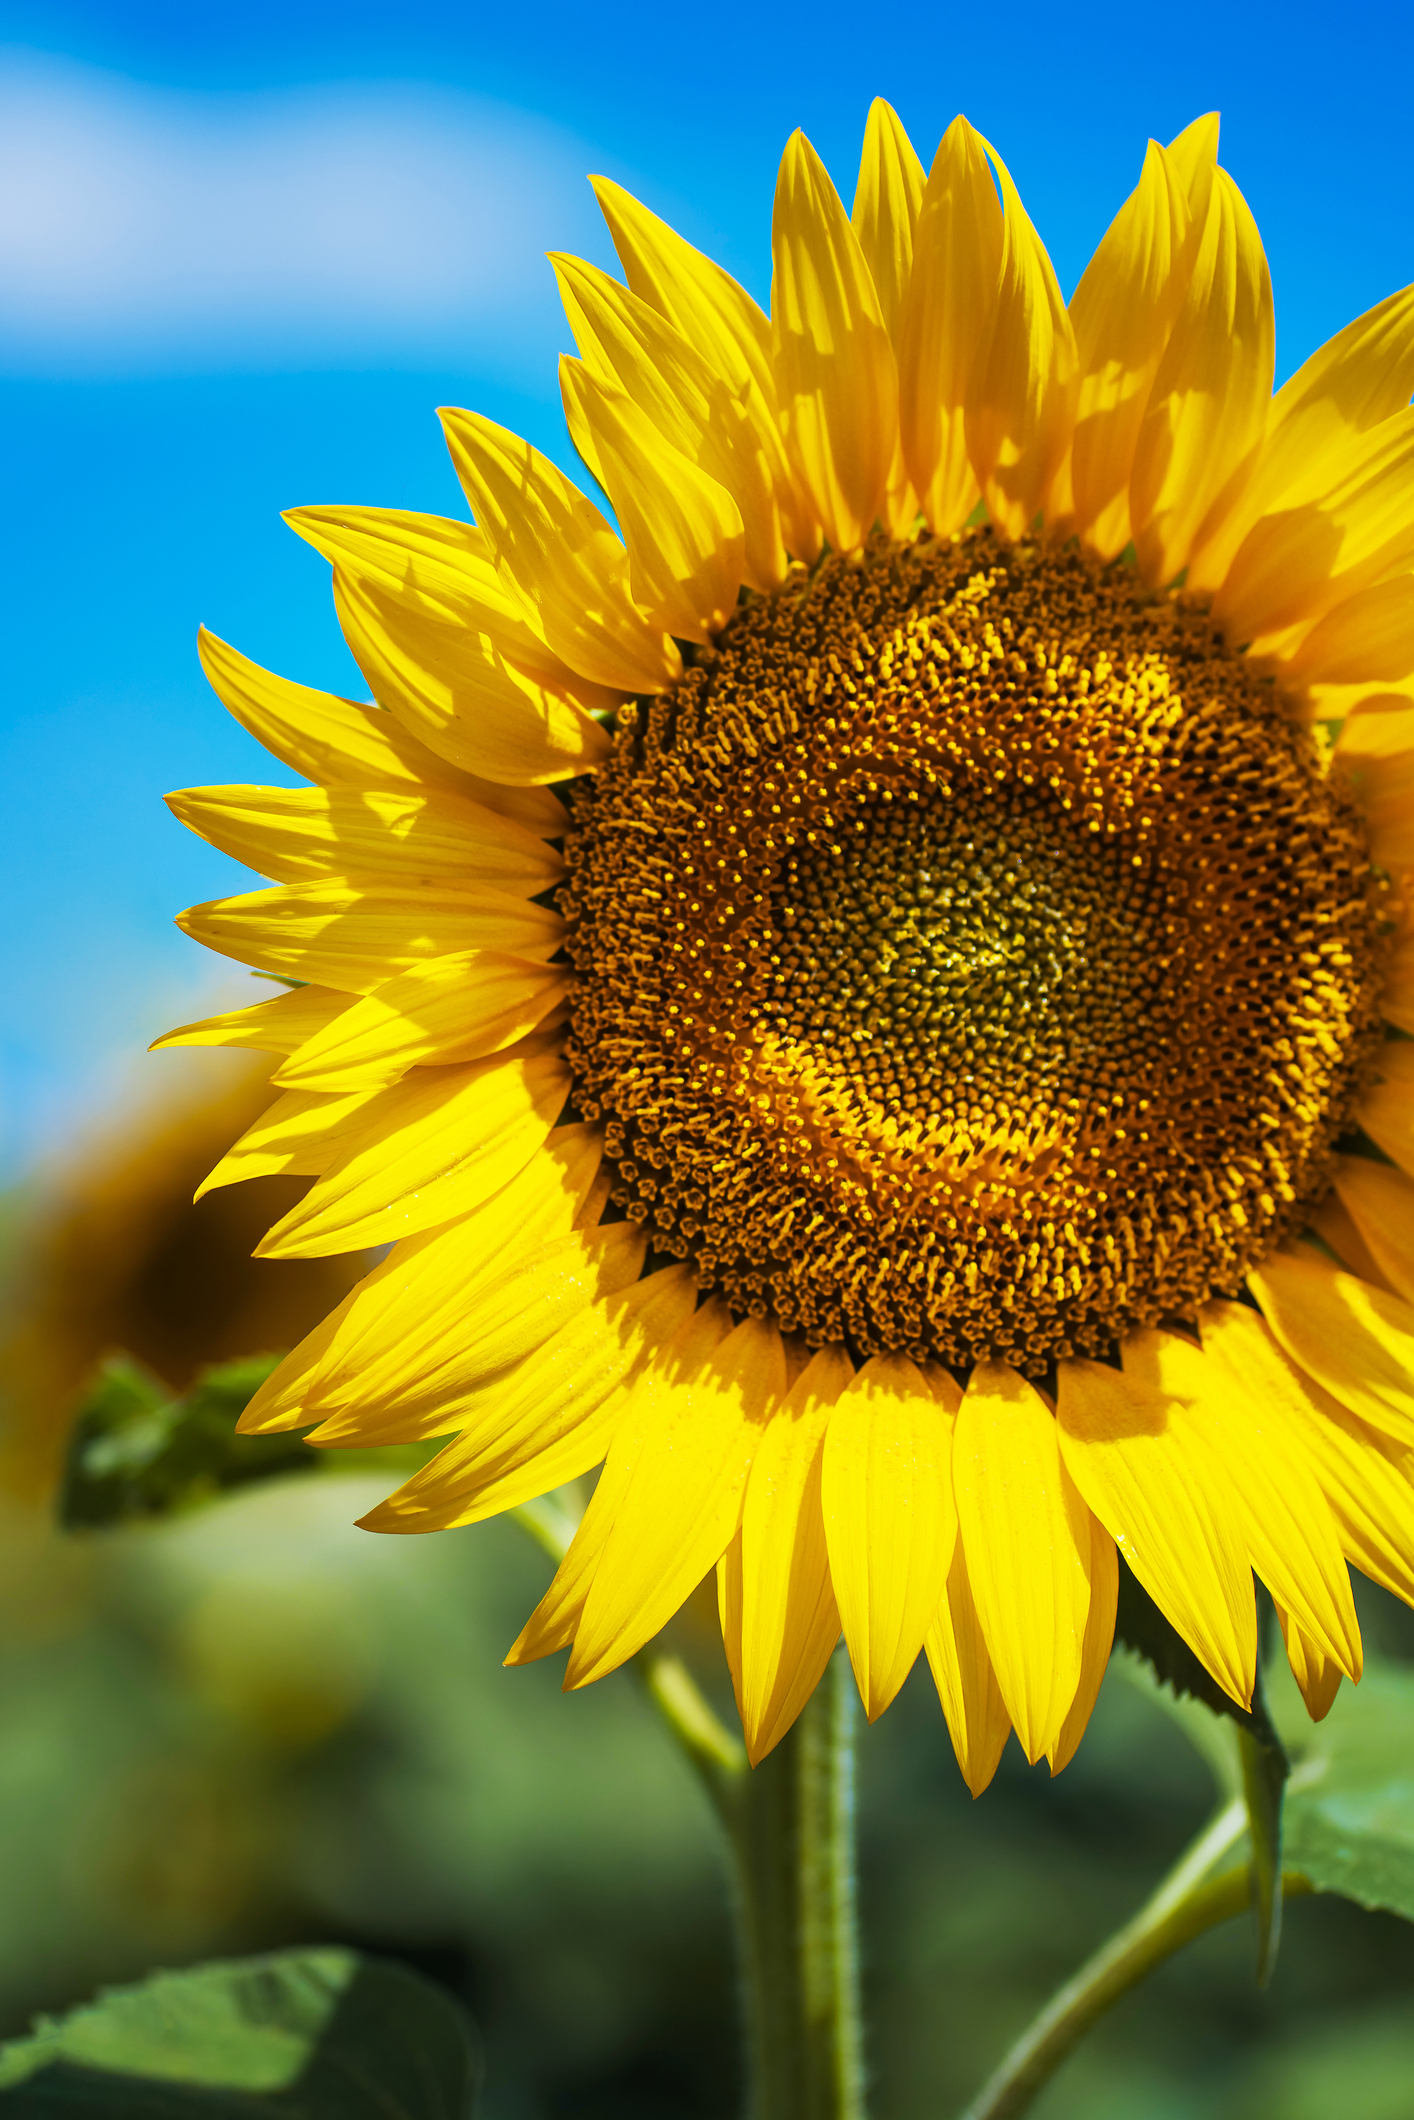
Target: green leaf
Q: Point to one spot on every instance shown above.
(299, 2035)
(1350, 1803)
(138, 1452)
(1142, 1627)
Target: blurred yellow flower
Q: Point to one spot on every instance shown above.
(853, 1001)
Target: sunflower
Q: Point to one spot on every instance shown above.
(875, 1002)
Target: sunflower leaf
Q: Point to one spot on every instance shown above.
(138, 1452)
(318, 2034)
(1350, 1806)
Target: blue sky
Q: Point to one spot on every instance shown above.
(245, 251)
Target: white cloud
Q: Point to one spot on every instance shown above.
(152, 230)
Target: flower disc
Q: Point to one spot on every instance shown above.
(974, 961)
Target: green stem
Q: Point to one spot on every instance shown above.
(1186, 1904)
(793, 1833)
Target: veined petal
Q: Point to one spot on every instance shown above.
(835, 375)
(1193, 157)
(1150, 1475)
(729, 330)
(1026, 1534)
(462, 1007)
(1290, 1533)
(887, 199)
(392, 1304)
(1356, 1341)
(705, 417)
(382, 1372)
(947, 319)
(1320, 547)
(558, 553)
(356, 938)
(1386, 1110)
(292, 834)
(338, 742)
(1316, 1675)
(1122, 311)
(1362, 376)
(972, 1703)
(1368, 639)
(278, 1026)
(1336, 1228)
(1380, 1202)
(1021, 393)
(293, 1137)
(551, 1418)
(1365, 1476)
(1095, 1649)
(682, 1503)
(686, 544)
(430, 1148)
(890, 1520)
(553, 1623)
(787, 1622)
(459, 687)
(1207, 410)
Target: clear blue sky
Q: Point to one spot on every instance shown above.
(244, 251)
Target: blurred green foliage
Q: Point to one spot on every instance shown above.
(294, 2035)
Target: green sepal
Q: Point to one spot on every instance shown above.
(1142, 1627)
(137, 1452)
(321, 2034)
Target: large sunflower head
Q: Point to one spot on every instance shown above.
(868, 1001)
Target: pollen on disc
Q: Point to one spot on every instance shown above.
(973, 960)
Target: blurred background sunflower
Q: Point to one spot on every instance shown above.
(250, 251)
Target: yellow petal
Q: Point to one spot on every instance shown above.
(553, 1623)
(343, 935)
(1026, 1535)
(1150, 1475)
(1314, 1672)
(1361, 376)
(296, 1136)
(887, 198)
(1356, 1341)
(1193, 157)
(1288, 1528)
(558, 553)
(292, 834)
(890, 1521)
(337, 741)
(551, 1418)
(462, 1007)
(458, 686)
(1386, 1110)
(278, 1026)
(422, 1277)
(1380, 1202)
(686, 545)
(719, 318)
(1021, 394)
(835, 375)
(704, 416)
(1320, 547)
(405, 1360)
(787, 1622)
(1336, 1229)
(1096, 1648)
(1207, 410)
(429, 1148)
(1368, 639)
(977, 1720)
(683, 1500)
(952, 294)
(1122, 312)
(1365, 1476)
